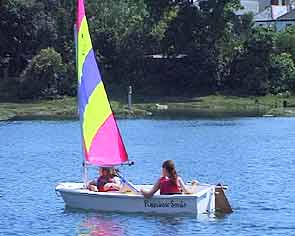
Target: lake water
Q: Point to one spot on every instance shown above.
(255, 157)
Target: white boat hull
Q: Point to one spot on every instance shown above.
(75, 196)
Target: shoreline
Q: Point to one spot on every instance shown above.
(214, 106)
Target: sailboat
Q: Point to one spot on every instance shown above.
(102, 145)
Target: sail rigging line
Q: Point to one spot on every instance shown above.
(130, 185)
(84, 165)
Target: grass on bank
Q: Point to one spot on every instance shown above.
(217, 105)
(210, 106)
(64, 108)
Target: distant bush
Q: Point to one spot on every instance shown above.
(8, 89)
(282, 73)
(250, 68)
(68, 85)
(44, 75)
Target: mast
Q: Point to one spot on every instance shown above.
(84, 165)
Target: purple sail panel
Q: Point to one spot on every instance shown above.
(90, 79)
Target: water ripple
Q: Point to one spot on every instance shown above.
(254, 157)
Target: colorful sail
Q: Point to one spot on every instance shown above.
(102, 142)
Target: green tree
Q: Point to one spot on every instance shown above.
(282, 73)
(25, 28)
(43, 76)
(117, 30)
(285, 41)
(250, 68)
(201, 33)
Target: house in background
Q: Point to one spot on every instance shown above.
(285, 20)
(278, 14)
(249, 6)
(273, 11)
(263, 4)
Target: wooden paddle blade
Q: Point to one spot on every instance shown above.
(221, 203)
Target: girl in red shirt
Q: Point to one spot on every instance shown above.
(168, 183)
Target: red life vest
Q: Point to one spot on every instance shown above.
(101, 181)
(167, 186)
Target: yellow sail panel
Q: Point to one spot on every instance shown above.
(84, 46)
(96, 112)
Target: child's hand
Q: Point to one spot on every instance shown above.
(145, 193)
(92, 188)
(108, 186)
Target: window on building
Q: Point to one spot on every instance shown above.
(284, 2)
(274, 2)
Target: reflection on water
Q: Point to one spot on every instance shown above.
(117, 224)
(100, 226)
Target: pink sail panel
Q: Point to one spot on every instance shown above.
(107, 144)
(102, 142)
(80, 13)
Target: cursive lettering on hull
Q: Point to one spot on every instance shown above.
(164, 204)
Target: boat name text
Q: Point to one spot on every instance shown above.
(164, 204)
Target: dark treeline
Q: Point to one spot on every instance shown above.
(161, 48)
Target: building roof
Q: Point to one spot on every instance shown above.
(248, 6)
(275, 13)
(288, 16)
(265, 15)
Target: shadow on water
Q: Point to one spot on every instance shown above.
(214, 123)
(205, 114)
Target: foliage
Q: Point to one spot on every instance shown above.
(285, 41)
(25, 28)
(201, 34)
(250, 68)
(282, 73)
(205, 48)
(117, 30)
(43, 76)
